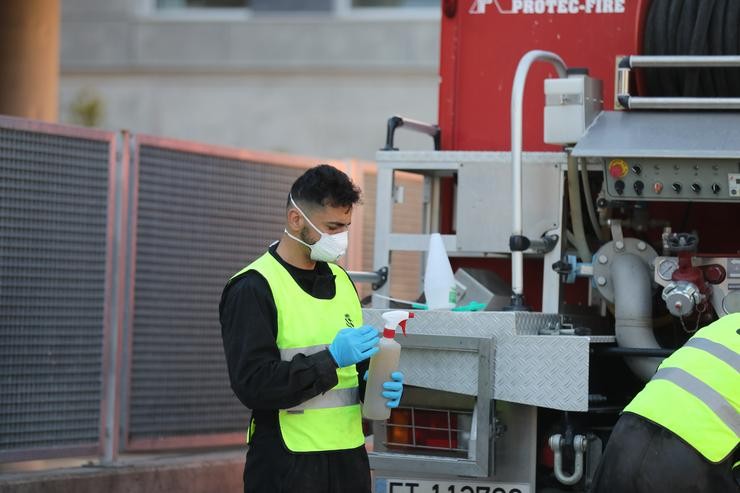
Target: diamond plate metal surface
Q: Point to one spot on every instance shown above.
(540, 370)
(441, 370)
(472, 324)
(545, 371)
(530, 323)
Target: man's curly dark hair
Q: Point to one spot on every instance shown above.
(324, 185)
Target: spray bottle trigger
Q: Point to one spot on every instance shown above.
(402, 323)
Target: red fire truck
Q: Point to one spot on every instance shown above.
(585, 179)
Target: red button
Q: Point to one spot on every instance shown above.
(618, 168)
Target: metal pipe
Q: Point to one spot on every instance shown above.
(396, 122)
(643, 103)
(112, 366)
(360, 276)
(633, 318)
(683, 61)
(589, 200)
(517, 103)
(623, 81)
(576, 213)
(421, 127)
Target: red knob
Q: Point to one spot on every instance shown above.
(618, 168)
(714, 274)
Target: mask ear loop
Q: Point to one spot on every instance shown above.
(305, 216)
(296, 239)
(285, 230)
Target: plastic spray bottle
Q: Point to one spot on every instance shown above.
(382, 364)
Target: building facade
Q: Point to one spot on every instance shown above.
(317, 77)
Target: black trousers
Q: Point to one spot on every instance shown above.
(271, 468)
(642, 457)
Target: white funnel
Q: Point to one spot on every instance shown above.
(439, 282)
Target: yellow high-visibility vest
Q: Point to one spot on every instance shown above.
(696, 391)
(329, 421)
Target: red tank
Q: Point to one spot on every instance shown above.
(483, 40)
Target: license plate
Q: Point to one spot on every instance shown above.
(395, 485)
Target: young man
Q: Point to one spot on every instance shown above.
(295, 344)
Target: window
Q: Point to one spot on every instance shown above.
(179, 4)
(389, 9)
(220, 8)
(395, 3)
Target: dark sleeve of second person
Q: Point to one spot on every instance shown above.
(258, 377)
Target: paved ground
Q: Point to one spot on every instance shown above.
(211, 472)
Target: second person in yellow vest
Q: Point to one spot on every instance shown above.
(680, 433)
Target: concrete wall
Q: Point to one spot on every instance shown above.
(311, 83)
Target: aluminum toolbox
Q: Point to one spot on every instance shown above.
(540, 370)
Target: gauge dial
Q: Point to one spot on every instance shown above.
(666, 268)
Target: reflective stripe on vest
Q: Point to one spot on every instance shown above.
(307, 325)
(717, 350)
(704, 393)
(696, 391)
(331, 398)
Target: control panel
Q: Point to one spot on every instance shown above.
(665, 179)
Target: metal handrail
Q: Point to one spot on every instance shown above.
(517, 109)
(662, 61)
(377, 277)
(625, 100)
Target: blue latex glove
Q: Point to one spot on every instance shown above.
(393, 390)
(350, 346)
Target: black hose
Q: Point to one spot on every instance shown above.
(674, 17)
(633, 351)
(683, 46)
(730, 41)
(702, 81)
(715, 46)
(692, 27)
(663, 38)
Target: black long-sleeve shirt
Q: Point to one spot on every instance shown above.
(260, 380)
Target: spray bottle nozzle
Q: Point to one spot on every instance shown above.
(395, 319)
(402, 323)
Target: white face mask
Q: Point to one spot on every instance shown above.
(329, 247)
